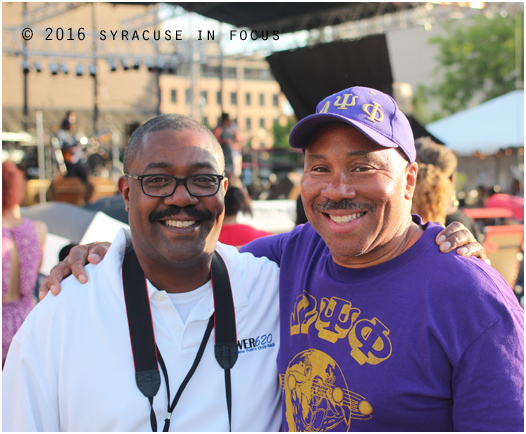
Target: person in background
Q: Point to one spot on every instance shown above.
(22, 250)
(226, 136)
(435, 196)
(482, 194)
(74, 157)
(237, 150)
(71, 116)
(516, 188)
(71, 148)
(236, 201)
(301, 217)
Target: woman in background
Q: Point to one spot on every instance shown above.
(22, 249)
(435, 196)
(236, 201)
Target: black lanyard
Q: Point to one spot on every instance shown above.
(146, 355)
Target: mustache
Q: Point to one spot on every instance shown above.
(173, 211)
(344, 204)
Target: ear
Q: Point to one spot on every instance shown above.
(124, 188)
(225, 185)
(411, 173)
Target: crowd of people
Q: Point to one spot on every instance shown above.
(379, 320)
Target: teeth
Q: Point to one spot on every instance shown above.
(346, 218)
(179, 224)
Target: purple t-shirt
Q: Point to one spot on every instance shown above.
(424, 342)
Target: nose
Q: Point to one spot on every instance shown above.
(180, 197)
(339, 187)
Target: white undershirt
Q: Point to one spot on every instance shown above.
(186, 301)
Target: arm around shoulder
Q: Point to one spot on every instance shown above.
(269, 247)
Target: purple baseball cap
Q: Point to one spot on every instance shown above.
(372, 112)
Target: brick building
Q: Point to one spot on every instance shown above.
(69, 37)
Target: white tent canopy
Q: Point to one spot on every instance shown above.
(494, 124)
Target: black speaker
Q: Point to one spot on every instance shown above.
(308, 75)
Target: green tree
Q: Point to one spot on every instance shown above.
(281, 134)
(479, 61)
(420, 105)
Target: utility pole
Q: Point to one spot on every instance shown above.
(94, 72)
(221, 68)
(158, 66)
(25, 68)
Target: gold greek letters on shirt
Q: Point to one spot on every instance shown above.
(369, 340)
(305, 313)
(337, 319)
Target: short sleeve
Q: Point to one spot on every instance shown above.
(488, 380)
(270, 247)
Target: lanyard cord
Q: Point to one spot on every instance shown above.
(188, 376)
(147, 371)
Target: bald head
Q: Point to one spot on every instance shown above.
(171, 121)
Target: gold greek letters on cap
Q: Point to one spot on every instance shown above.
(375, 114)
(345, 103)
(325, 107)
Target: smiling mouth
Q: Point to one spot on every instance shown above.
(179, 223)
(346, 218)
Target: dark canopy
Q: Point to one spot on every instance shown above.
(289, 16)
(307, 75)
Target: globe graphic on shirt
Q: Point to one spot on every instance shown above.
(316, 396)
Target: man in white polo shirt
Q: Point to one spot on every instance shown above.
(72, 368)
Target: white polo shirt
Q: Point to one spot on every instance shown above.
(70, 366)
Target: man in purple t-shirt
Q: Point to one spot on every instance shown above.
(379, 330)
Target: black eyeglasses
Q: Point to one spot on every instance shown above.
(160, 185)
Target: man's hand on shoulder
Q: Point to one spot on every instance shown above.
(457, 236)
(74, 263)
